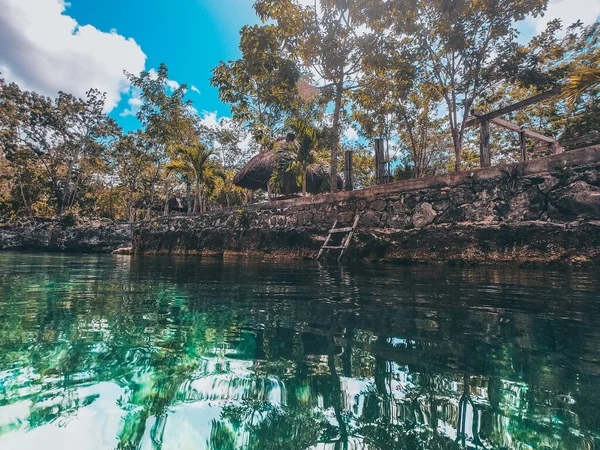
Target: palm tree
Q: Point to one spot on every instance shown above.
(299, 156)
(583, 79)
(196, 163)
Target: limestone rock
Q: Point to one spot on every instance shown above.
(461, 195)
(578, 200)
(379, 205)
(527, 205)
(423, 215)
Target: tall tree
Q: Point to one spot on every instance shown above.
(421, 133)
(133, 164)
(168, 121)
(325, 40)
(197, 162)
(461, 43)
(260, 87)
(67, 136)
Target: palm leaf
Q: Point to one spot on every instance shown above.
(584, 79)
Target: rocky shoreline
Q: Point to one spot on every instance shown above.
(541, 211)
(538, 212)
(88, 236)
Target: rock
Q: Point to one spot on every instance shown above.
(305, 218)
(370, 219)
(399, 207)
(527, 205)
(548, 183)
(576, 201)
(379, 205)
(423, 215)
(400, 221)
(591, 177)
(453, 214)
(480, 211)
(461, 195)
(95, 236)
(345, 217)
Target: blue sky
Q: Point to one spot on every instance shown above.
(190, 36)
(52, 45)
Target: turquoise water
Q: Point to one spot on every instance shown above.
(105, 352)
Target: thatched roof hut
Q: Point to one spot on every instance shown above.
(257, 173)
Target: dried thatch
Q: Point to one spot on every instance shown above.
(257, 173)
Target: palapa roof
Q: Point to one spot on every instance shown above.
(256, 174)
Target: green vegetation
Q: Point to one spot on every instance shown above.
(406, 71)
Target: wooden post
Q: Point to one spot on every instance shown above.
(484, 145)
(379, 162)
(348, 174)
(522, 140)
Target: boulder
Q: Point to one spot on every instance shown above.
(423, 215)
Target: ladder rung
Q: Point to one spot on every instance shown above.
(333, 247)
(341, 230)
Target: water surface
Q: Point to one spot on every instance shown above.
(105, 352)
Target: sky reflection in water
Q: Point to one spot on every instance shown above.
(103, 352)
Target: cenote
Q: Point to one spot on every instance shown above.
(105, 352)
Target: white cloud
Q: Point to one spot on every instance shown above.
(569, 11)
(209, 119)
(135, 102)
(195, 89)
(45, 50)
(350, 134)
(173, 85)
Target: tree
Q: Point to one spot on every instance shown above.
(169, 123)
(196, 162)
(399, 103)
(132, 159)
(67, 136)
(549, 61)
(379, 105)
(299, 156)
(421, 133)
(233, 144)
(6, 186)
(584, 79)
(461, 44)
(260, 87)
(324, 40)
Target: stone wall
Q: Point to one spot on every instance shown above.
(546, 210)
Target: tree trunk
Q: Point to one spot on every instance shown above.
(197, 199)
(456, 140)
(339, 92)
(304, 182)
(60, 199)
(200, 199)
(188, 196)
(484, 145)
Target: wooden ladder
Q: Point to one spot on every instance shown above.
(345, 242)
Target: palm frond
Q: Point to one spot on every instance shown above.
(582, 80)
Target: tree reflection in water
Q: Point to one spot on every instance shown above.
(240, 355)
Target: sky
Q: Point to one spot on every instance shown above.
(52, 45)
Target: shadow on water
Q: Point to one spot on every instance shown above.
(105, 352)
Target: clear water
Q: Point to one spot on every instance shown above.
(104, 352)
